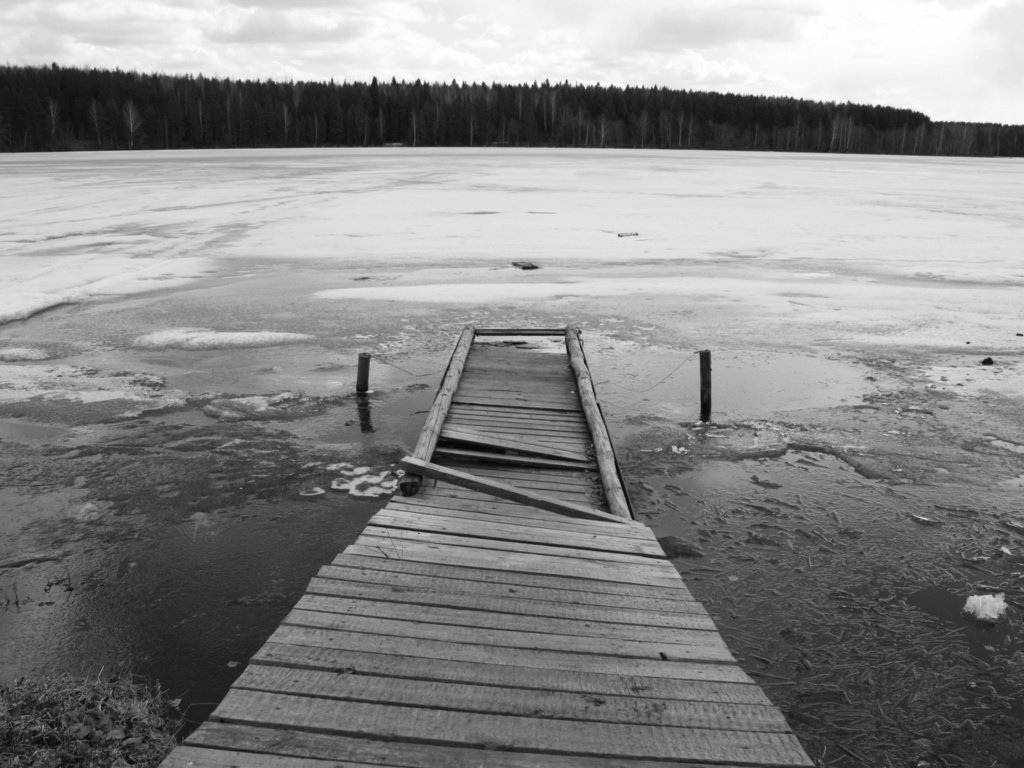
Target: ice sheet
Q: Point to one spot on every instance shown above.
(890, 249)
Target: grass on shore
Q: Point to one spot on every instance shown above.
(108, 721)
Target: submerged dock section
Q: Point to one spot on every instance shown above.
(506, 611)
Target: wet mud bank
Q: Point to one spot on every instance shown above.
(836, 547)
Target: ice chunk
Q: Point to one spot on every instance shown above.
(986, 607)
(204, 338)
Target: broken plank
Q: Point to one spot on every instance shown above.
(502, 490)
(477, 437)
(456, 526)
(402, 538)
(467, 454)
(465, 513)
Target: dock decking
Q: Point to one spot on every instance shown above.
(508, 612)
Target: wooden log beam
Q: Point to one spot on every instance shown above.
(505, 491)
(520, 331)
(610, 480)
(439, 410)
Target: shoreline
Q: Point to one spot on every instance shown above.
(847, 404)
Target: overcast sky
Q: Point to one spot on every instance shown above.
(951, 59)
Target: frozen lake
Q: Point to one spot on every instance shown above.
(178, 343)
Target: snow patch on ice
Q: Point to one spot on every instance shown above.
(204, 338)
(474, 293)
(22, 354)
(33, 285)
(279, 406)
(1006, 378)
(87, 385)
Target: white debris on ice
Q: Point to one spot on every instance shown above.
(986, 607)
(362, 481)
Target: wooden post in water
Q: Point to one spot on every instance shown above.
(705, 385)
(363, 373)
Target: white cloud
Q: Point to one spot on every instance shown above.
(953, 59)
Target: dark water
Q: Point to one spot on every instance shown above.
(181, 575)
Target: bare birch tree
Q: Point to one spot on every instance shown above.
(132, 121)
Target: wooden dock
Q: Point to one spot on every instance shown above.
(507, 612)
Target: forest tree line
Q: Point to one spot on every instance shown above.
(67, 108)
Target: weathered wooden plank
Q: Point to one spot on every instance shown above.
(520, 331)
(520, 411)
(613, 491)
(499, 700)
(527, 380)
(389, 752)
(397, 518)
(394, 548)
(700, 649)
(549, 395)
(564, 477)
(526, 416)
(347, 661)
(490, 440)
(535, 428)
(189, 756)
(508, 732)
(502, 490)
(523, 375)
(545, 400)
(504, 604)
(589, 495)
(466, 618)
(483, 581)
(509, 561)
(452, 498)
(514, 656)
(557, 554)
(411, 576)
(443, 488)
(453, 513)
(525, 515)
(510, 459)
(439, 408)
(577, 443)
(511, 402)
(565, 549)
